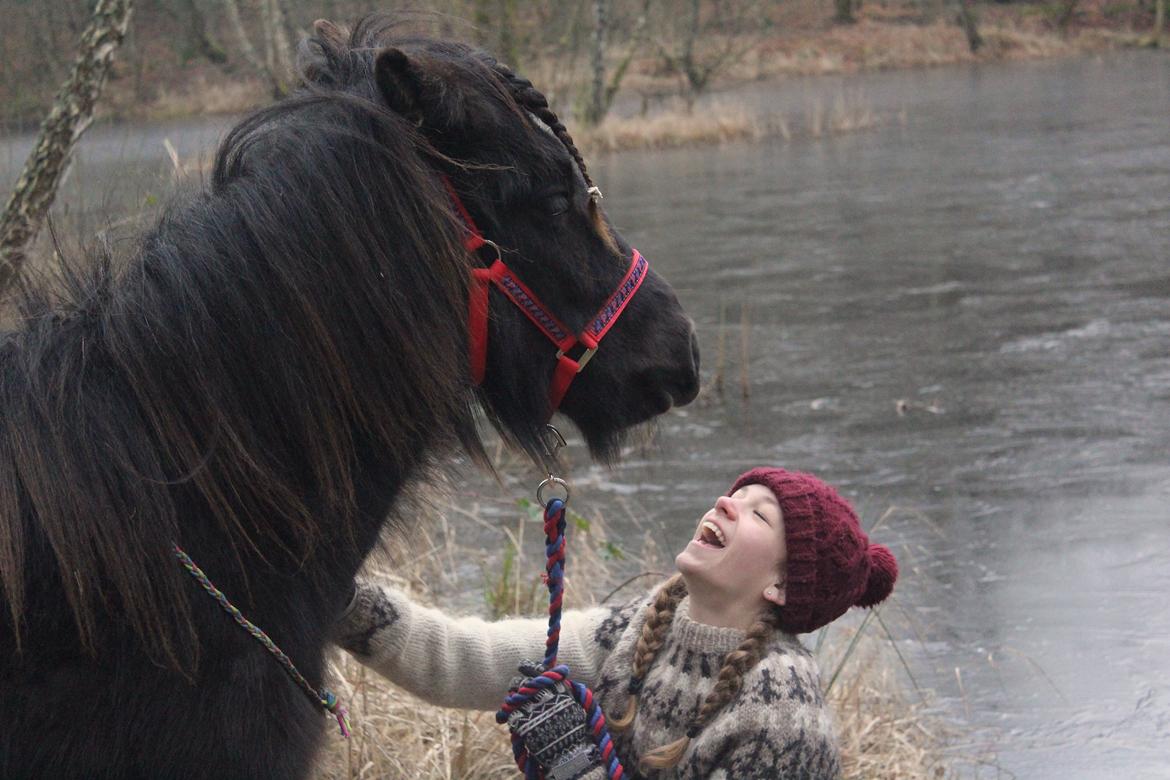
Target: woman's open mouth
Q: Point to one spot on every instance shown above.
(710, 535)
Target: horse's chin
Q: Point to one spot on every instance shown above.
(609, 436)
(605, 446)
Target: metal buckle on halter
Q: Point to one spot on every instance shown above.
(585, 358)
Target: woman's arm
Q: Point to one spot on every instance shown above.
(465, 662)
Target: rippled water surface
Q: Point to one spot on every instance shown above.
(994, 256)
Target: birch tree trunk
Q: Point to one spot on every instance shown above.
(276, 31)
(245, 43)
(71, 114)
(597, 105)
(604, 93)
(275, 67)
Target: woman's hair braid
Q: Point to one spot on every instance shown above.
(531, 99)
(736, 664)
(658, 619)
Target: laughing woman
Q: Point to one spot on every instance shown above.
(704, 677)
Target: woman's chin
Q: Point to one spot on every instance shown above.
(692, 560)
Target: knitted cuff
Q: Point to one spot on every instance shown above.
(364, 627)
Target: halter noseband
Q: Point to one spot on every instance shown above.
(509, 284)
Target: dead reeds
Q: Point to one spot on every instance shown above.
(726, 121)
(718, 376)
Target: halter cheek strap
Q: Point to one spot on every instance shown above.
(505, 280)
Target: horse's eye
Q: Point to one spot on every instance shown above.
(556, 205)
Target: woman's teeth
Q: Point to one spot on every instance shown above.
(711, 534)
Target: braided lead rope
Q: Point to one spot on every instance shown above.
(556, 674)
(323, 698)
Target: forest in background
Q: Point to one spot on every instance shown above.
(192, 57)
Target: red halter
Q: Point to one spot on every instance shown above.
(510, 285)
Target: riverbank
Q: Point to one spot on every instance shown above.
(801, 41)
(148, 83)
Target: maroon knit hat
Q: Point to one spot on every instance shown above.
(831, 564)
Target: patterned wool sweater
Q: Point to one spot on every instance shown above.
(777, 728)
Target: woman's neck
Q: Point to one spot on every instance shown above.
(720, 610)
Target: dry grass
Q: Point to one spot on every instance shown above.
(199, 97)
(883, 734)
(725, 121)
(896, 36)
(886, 732)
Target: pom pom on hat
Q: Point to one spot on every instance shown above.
(883, 571)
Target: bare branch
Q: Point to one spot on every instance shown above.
(70, 116)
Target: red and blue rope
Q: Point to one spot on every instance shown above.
(556, 674)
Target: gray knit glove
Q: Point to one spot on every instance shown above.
(554, 731)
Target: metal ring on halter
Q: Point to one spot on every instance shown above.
(495, 246)
(558, 441)
(558, 482)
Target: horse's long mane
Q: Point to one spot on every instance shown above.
(300, 309)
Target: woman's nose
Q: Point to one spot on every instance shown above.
(727, 506)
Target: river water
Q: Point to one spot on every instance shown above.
(962, 314)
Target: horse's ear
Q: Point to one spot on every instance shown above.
(399, 82)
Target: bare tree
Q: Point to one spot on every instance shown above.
(71, 115)
(705, 46)
(845, 9)
(597, 96)
(1065, 13)
(232, 8)
(199, 42)
(278, 50)
(603, 91)
(970, 25)
(1159, 23)
(275, 67)
(560, 43)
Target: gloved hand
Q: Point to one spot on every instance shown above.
(554, 730)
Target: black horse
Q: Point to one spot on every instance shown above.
(260, 378)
